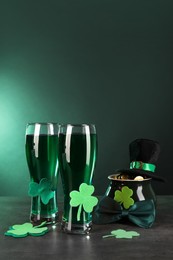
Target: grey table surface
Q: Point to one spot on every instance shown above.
(153, 243)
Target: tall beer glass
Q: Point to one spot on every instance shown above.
(77, 158)
(42, 157)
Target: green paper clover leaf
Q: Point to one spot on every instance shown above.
(42, 189)
(26, 229)
(123, 197)
(83, 198)
(121, 233)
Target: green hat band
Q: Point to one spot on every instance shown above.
(143, 166)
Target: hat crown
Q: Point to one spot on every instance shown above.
(144, 150)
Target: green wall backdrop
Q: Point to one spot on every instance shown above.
(107, 62)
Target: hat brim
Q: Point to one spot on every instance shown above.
(141, 172)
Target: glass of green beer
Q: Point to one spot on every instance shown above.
(41, 146)
(77, 152)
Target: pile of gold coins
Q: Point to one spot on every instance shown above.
(128, 177)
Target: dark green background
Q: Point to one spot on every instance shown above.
(104, 62)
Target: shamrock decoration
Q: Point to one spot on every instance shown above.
(43, 189)
(83, 198)
(26, 229)
(121, 233)
(123, 197)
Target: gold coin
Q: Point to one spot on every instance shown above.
(138, 178)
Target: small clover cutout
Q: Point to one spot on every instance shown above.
(26, 229)
(42, 189)
(123, 197)
(83, 198)
(121, 233)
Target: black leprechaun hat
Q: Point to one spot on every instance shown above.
(144, 155)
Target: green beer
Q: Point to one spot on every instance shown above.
(77, 157)
(42, 159)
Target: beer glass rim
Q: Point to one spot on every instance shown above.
(42, 123)
(77, 125)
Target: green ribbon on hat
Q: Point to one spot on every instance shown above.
(143, 166)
